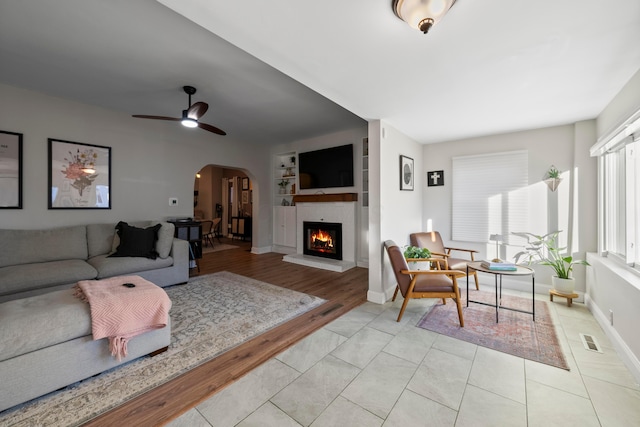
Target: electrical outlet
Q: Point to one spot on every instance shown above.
(611, 316)
(173, 201)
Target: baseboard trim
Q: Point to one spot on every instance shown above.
(628, 358)
(260, 250)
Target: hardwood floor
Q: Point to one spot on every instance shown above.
(343, 292)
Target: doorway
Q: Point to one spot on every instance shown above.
(224, 193)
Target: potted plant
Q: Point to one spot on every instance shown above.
(544, 250)
(552, 178)
(283, 186)
(412, 253)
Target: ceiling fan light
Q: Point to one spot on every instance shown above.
(421, 14)
(190, 123)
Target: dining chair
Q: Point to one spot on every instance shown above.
(207, 235)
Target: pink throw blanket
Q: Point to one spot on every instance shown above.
(120, 313)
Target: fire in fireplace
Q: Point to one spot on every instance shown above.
(323, 239)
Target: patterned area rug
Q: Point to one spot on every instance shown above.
(210, 315)
(515, 334)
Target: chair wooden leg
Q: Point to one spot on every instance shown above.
(404, 305)
(459, 306)
(460, 312)
(444, 301)
(475, 276)
(395, 294)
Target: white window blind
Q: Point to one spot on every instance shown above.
(490, 195)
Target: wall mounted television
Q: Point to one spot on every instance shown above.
(327, 168)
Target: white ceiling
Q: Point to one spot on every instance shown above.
(488, 67)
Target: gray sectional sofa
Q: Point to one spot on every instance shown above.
(45, 332)
(33, 262)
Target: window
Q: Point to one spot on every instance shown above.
(619, 198)
(490, 196)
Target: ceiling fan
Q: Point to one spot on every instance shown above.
(190, 116)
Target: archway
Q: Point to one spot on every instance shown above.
(225, 193)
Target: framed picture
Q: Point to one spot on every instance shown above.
(406, 173)
(10, 170)
(245, 183)
(435, 178)
(79, 175)
(245, 197)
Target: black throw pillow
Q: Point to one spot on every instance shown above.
(136, 241)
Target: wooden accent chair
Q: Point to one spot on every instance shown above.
(432, 241)
(423, 283)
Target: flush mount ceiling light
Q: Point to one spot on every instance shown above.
(421, 14)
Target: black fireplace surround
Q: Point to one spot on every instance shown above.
(322, 239)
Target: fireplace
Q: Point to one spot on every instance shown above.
(322, 239)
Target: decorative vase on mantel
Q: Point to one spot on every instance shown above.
(564, 286)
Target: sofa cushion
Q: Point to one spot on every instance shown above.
(32, 323)
(165, 238)
(136, 242)
(109, 267)
(163, 244)
(30, 246)
(20, 278)
(116, 237)
(100, 239)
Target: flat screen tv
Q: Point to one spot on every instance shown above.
(326, 168)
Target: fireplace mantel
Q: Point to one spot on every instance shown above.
(325, 198)
(325, 208)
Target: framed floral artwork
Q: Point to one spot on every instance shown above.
(406, 173)
(79, 175)
(10, 170)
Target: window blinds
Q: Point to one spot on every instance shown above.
(490, 195)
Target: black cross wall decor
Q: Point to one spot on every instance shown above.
(435, 178)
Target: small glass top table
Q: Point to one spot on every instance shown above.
(520, 271)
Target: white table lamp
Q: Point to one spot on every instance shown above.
(498, 239)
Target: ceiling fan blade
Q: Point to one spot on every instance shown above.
(211, 128)
(142, 116)
(197, 110)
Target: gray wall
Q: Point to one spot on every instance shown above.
(151, 162)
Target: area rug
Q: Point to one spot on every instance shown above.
(210, 315)
(218, 247)
(515, 334)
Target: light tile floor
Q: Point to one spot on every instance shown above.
(366, 369)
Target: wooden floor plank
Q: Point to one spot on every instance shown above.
(343, 292)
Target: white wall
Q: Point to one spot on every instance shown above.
(349, 136)
(612, 286)
(566, 147)
(151, 162)
(395, 213)
(623, 105)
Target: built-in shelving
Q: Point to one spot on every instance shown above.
(285, 178)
